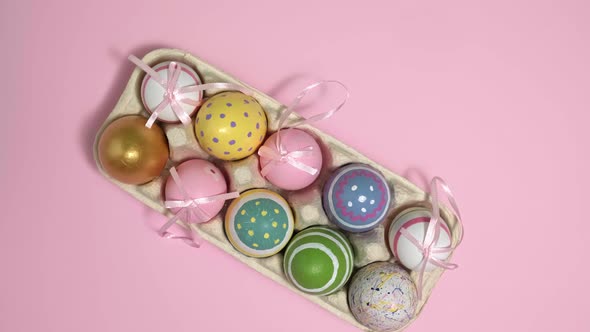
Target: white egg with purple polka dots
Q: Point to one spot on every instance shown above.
(152, 93)
(356, 198)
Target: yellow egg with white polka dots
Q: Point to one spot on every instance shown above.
(230, 125)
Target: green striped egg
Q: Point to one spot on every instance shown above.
(318, 260)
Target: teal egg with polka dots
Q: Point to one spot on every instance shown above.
(259, 223)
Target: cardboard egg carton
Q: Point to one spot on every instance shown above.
(244, 174)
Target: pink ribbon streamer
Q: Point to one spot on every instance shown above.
(281, 155)
(173, 94)
(428, 247)
(191, 209)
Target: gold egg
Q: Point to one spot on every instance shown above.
(131, 153)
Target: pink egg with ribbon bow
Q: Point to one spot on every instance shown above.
(197, 188)
(291, 159)
(292, 163)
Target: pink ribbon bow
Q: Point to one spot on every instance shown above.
(280, 155)
(190, 207)
(173, 95)
(428, 247)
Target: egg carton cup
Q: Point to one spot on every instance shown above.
(244, 174)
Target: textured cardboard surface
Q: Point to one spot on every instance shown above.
(243, 175)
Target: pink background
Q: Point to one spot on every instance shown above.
(491, 95)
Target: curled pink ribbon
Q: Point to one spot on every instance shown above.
(191, 209)
(428, 247)
(173, 95)
(280, 155)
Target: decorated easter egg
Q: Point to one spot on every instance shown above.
(382, 296)
(319, 260)
(131, 153)
(416, 221)
(230, 125)
(356, 197)
(198, 179)
(259, 223)
(294, 163)
(152, 93)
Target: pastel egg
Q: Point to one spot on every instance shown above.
(382, 296)
(356, 197)
(152, 93)
(230, 125)
(416, 221)
(282, 173)
(199, 178)
(319, 260)
(259, 223)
